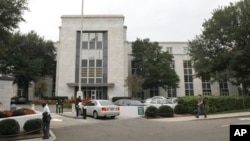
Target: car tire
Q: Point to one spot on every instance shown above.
(95, 115)
(112, 117)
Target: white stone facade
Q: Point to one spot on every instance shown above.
(111, 25)
(118, 58)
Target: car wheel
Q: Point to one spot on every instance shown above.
(95, 115)
(112, 117)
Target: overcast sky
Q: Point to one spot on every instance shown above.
(158, 20)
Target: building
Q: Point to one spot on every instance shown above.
(106, 61)
(104, 56)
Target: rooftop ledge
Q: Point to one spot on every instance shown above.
(92, 85)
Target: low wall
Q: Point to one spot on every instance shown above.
(22, 119)
(132, 111)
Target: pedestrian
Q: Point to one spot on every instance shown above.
(201, 107)
(77, 106)
(46, 121)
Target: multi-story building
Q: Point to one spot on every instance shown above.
(105, 61)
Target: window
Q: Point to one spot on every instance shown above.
(133, 67)
(171, 92)
(85, 39)
(99, 63)
(154, 92)
(92, 71)
(169, 50)
(92, 41)
(224, 88)
(186, 50)
(206, 86)
(188, 78)
(172, 64)
(84, 63)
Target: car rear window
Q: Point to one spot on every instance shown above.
(105, 103)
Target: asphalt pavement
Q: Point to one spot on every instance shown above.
(68, 118)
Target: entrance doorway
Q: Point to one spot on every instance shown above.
(95, 92)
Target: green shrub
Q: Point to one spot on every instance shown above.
(180, 109)
(1, 115)
(166, 111)
(216, 103)
(33, 125)
(18, 113)
(151, 111)
(9, 127)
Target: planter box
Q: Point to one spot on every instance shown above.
(132, 111)
(22, 119)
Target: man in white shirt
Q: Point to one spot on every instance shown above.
(46, 120)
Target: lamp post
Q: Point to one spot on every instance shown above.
(79, 92)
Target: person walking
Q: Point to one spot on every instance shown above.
(46, 121)
(77, 107)
(201, 107)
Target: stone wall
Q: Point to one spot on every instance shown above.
(6, 92)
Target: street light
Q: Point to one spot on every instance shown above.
(79, 92)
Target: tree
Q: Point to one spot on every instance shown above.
(134, 83)
(40, 87)
(153, 65)
(223, 48)
(10, 15)
(29, 58)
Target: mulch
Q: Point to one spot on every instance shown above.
(21, 136)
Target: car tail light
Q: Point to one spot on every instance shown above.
(104, 109)
(117, 108)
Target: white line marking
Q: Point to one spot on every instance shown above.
(226, 125)
(244, 118)
(54, 119)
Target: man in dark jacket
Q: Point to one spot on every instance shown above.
(78, 100)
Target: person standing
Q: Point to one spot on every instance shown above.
(46, 121)
(77, 107)
(201, 107)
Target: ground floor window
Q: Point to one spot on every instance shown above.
(171, 92)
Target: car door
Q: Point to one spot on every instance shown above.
(90, 107)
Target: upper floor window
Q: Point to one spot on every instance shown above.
(169, 50)
(186, 50)
(92, 41)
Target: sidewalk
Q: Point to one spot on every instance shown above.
(212, 116)
(68, 118)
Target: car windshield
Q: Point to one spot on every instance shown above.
(106, 102)
(168, 101)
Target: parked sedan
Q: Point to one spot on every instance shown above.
(128, 102)
(148, 100)
(18, 99)
(159, 102)
(102, 108)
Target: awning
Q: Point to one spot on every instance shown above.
(92, 85)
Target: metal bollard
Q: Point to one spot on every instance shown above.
(84, 113)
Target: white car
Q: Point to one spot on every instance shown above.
(102, 108)
(159, 102)
(148, 100)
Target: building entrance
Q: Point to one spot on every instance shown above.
(95, 93)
